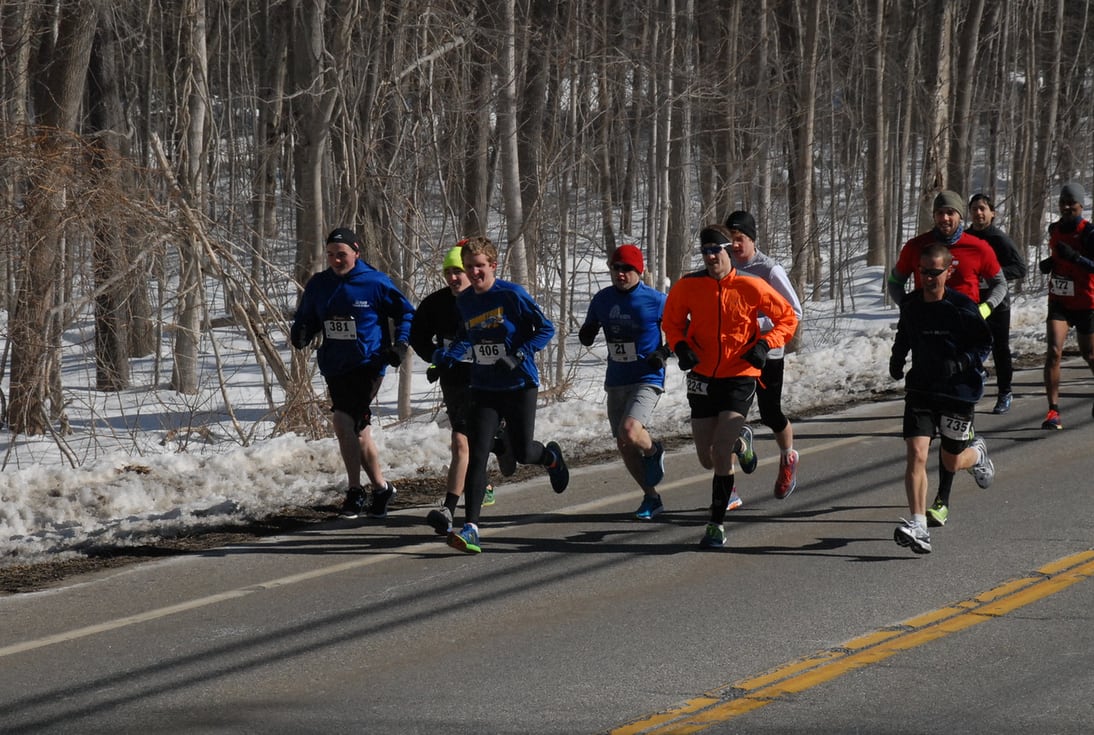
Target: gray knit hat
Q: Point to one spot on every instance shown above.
(947, 199)
(1073, 192)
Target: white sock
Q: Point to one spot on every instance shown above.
(920, 520)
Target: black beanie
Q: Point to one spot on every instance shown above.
(345, 236)
(742, 222)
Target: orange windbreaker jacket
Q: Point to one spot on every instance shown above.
(719, 319)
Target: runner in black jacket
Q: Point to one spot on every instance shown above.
(948, 340)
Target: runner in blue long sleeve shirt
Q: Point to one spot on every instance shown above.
(504, 329)
(352, 304)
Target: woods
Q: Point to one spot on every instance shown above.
(171, 165)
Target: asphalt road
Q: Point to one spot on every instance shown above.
(579, 619)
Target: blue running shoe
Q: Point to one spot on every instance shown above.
(651, 506)
(745, 454)
(467, 540)
(557, 470)
(1003, 404)
(654, 465)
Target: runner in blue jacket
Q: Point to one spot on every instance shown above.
(504, 328)
(350, 304)
(629, 312)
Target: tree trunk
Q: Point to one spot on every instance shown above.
(191, 302)
(114, 283)
(965, 87)
(877, 143)
(35, 333)
(510, 172)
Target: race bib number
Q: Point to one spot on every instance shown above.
(487, 353)
(622, 351)
(340, 328)
(956, 428)
(1061, 286)
(698, 386)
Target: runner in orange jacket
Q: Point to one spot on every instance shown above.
(712, 321)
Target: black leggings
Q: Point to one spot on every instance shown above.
(488, 408)
(999, 323)
(769, 396)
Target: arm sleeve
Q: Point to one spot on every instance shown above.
(780, 281)
(540, 329)
(784, 321)
(1014, 265)
(997, 289)
(422, 333)
(895, 285)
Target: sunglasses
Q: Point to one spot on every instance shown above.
(710, 248)
(623, 268)
(932, 272)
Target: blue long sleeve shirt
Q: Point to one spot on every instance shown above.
(502, 321)
(353, 312)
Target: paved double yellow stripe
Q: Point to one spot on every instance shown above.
(725, 703)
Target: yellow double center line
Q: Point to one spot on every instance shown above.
(724, 703)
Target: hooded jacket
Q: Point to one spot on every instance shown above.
(352, 313)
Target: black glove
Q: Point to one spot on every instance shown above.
(394, 355)
(1067, 252)
(685, 356)
(587, 334)
(298, 335)
(953, 366)
(509, 363)
(1046, 265)
(656, 359)
(433, 373)
(757, 356)
(896, 367)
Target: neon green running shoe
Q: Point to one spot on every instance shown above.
(937, 514)
(488, 499)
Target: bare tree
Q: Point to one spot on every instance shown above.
(57, 87)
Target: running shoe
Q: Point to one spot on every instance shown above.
(441, 520)
(735, 501)
(938, 514)
(651, 506)
(380, 499)
(488, 498)
(507, 463)
(714, 537)
(787, 478)
(1002, 405)
(914, 536)
(354, 504)
(984, 469)
(746, 455)
(557, 470)
(467, 540)
(1052, 420)
(654, 465)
